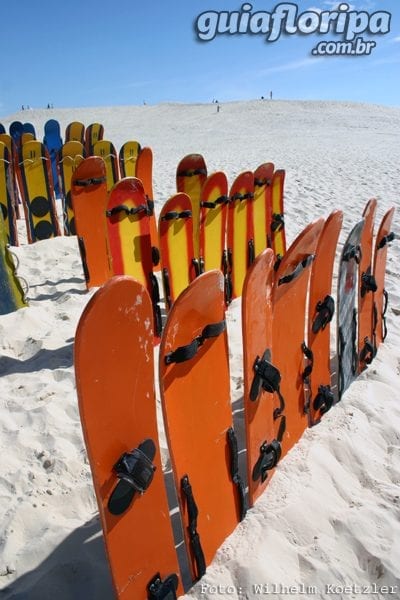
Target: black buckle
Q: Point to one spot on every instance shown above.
(136, 469)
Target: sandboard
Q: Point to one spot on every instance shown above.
(384, 236)
(195, 396)
(12, 296)
(13, 157)
(347, 349)
(69, 157)
(37, 191)
(289, 301)
(144, 172)
(264, 419)
(7, 198)
(115, 384)
(107, 152)
(213, 217)
(129, 242)
(262, 207)
(191, 174)
(93, 133)
(127, 156)
(29, 128)
(178, 265)
(366, 288)
(321, 307)
(240, 234)
(16, 130)
(75, 132)
(277, 227)
(53, 142)
(89, 202)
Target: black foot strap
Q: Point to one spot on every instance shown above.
(135, 471)
(193, 512)
(237, 480)
(277, 223)
(368, 283)
(325, 311)
(220, 200)
(173, 214)
(189, 351)
(82, 250)
(266, 377)
(368, 352)
(163, 589)
(268, 459)
(323, 401)
(300, 267)
(122, 208)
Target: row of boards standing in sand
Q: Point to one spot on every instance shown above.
(286, 388)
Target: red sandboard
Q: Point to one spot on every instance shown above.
(366, 288)
(129, 240)
(115, 385)
(89, 201)
(288, 329)
(213, 216)
(319, 396)
(240, 234)
(178, 266)
(262, 207)
(144, 172)
(191, 174)
(195, 392)
(383, 238)
(265, 421)
(277, 228)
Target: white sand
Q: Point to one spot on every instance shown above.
(330, 517)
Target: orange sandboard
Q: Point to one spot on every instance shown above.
(195, 395)
(240, 234)
(264, 419)
(277, 227)
(89, 201)
(288, 328)
(191, 174)
(129, 240)
(213, 216)
(319, 396)
(262, 206)
(144, 172)
(115, 384)
(383, 237)
(178, 266)
(366, 288)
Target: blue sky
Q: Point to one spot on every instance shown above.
(93, 53)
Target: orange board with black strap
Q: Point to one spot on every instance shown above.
(213, 216)
(264, 415)
(321, 307)
(262, 206)
(191, 174)
(277, 227)
(240, 232)
(289, 301)
(114, 372)
(89, 201)
(384, 237)
(178, 265)
(128, 230)
(144, 172)
(195, 396)
(366, 288)
(35, 171)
